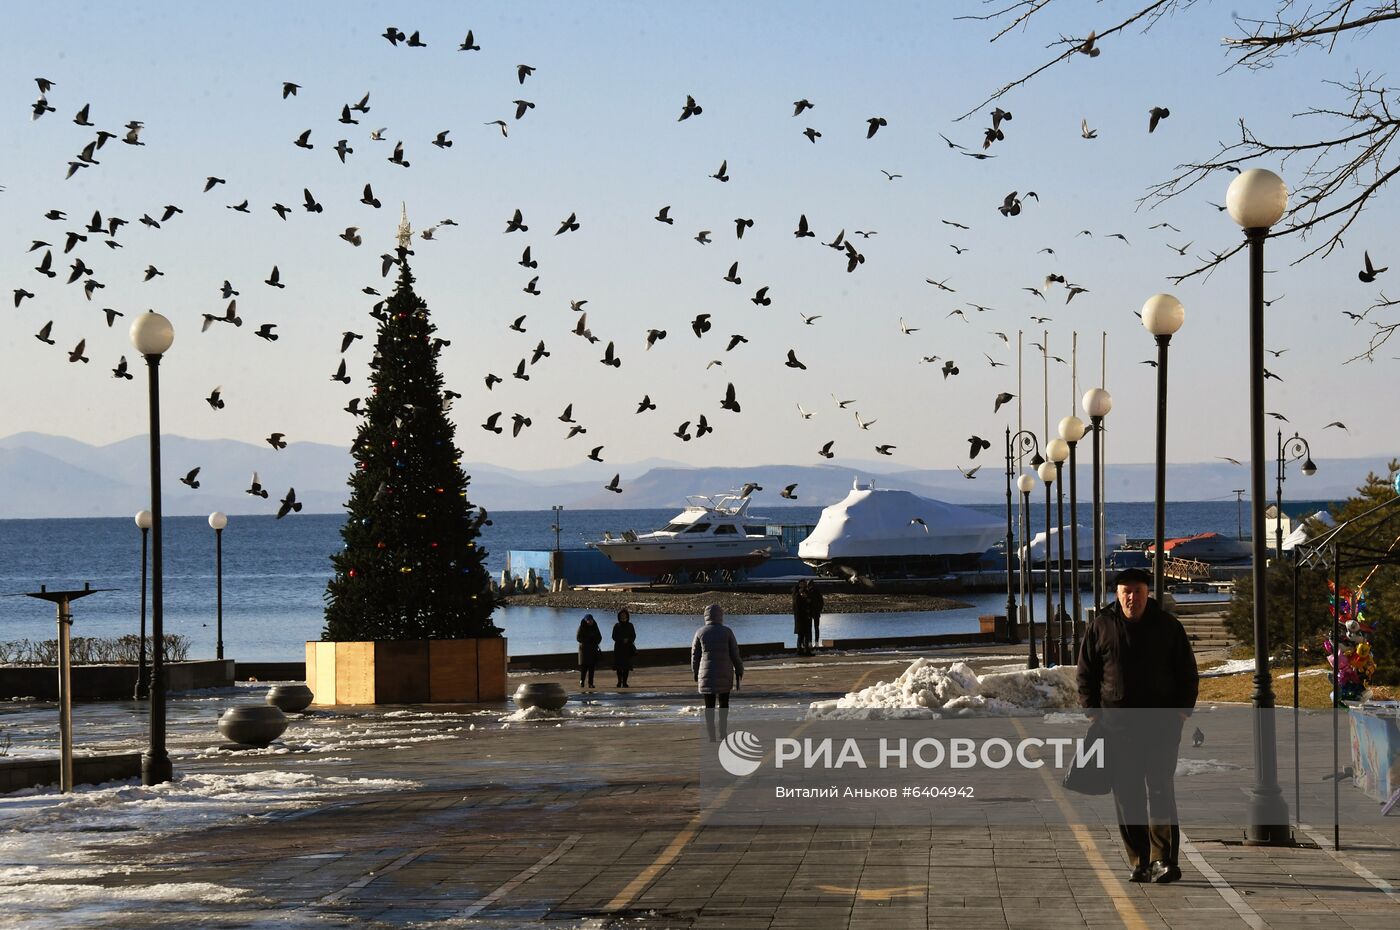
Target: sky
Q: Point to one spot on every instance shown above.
(603, 142)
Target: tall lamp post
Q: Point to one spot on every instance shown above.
(1296, 448)
(1096, 404)
(1071, 431)
(1058, 451)
(1026, 484)
(152, 335)
(1162, 315)
(143, 679)
(1016, 445)
(1047, 472)
(218, 521)
(1257, 199)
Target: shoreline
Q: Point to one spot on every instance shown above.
(733, 602)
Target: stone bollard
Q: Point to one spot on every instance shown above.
(252, 724)
(290, 699)
(544, 694)
(532, 581)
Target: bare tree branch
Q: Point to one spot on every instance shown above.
(1383, 330)
(1101, 33)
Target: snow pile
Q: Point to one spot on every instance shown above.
(929, 690)
(526, 714)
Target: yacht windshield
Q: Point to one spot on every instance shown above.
(698, 528)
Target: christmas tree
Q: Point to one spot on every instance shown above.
(410, 567)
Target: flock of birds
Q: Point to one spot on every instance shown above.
(73, 243)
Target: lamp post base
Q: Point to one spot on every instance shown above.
(1267, 819)
(156, 770)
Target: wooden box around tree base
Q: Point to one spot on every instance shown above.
(425, 671)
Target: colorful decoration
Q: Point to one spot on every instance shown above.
(1351, 661)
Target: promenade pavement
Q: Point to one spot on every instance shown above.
(598, 822)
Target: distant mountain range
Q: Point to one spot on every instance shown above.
(54, 476)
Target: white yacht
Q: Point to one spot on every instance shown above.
(709, 536)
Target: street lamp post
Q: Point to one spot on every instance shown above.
(1096, 404)
(1026, 484)
(1058, 451)
(152, 335)
(218, 521)
(1025, 440)
(1291, 451)
(1047, 471)
(1257, 199)
(143, 680)
(1071, 431)
(1162, 315)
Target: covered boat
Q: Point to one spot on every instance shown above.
(1206, 547)
(708, 539)
(1112, 541)
(878, 533)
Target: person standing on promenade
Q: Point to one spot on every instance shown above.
(589, 636)
(801, 617)
(716, 667)
(1137, 676)
(814, 612)
(624, 637)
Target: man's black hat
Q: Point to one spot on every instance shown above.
(1132, 576)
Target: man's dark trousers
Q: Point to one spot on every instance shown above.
(1142, 750)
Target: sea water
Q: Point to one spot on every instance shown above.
(275, 574)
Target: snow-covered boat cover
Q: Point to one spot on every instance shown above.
(874, 522)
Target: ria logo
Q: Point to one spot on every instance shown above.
(741, 753)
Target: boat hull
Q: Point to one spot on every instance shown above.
(655, 560)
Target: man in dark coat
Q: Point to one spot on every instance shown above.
(801, 617)
(814, 612)
(1137, 675)
(589, 636)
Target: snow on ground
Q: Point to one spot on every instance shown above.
(926, 689)
(1185, 767)
(1231, 667)
(42, 826)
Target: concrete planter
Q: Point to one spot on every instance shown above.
(545, 694)
(252, 724)
(425, 671)
(290, 699)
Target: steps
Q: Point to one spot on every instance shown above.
(1207, 631)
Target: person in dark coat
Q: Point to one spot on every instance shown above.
(624, 637)
(716, 667)
(801, 617)
(589, 636)
(1137, 675)
(814, 611)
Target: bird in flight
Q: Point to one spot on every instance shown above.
(690, 109)
(1226, 458)
(1085, 131)
(1337, 423)
(1157, 115)
(966, 473)
(191, 478)
(1368, 274)
(289, 504)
